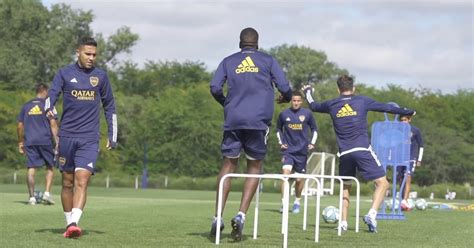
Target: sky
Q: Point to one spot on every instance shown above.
(411, 43)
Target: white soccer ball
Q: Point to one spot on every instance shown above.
(331, 214)
(421, 204)
(38, 196)
(389, 204)
(411, 203)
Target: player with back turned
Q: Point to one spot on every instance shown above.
(248, 110)
(35, 133)
(349, 116)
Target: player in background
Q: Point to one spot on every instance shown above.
(85, 88)
(349, 116)
(416, 155)
(248, 110)
(293, 129)
(35, 135)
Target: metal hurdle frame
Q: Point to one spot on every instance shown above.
(286, 197)
(340, 179)
(286, 194)
(284, 229)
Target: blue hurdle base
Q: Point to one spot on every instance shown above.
(390, 216)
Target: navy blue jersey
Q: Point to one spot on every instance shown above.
(349, 116)
(416, 143)
(37, 128)
(83, 91)
(250, 76)
(293, 129)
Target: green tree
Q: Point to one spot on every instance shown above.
(158, 76)
(305, 65)
(36, 42)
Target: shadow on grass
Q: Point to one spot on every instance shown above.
(62, 230)
(212, 239)
(273, 210)
(37, 204)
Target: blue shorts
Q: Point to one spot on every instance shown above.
(402, 170)
(39, 155)
(253, 142)
(297, 161)
(78, 153)
(366, 163)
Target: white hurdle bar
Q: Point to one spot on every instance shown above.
(318, 195)
(318, 203)
(341, 182)
(286, 194)
(286, 197)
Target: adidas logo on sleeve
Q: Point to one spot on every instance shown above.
(247, 65)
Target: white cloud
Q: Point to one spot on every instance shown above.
(404, 42)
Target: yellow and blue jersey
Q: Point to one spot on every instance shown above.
(250, 76)
(84, 91)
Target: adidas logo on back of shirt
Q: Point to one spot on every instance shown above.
(247, 65)
(35, 111)
(346, 110)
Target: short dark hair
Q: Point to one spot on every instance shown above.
(297, 93)
(345, 83)
(40, 87)
(248, 38)
(88, 41)
(407, 116)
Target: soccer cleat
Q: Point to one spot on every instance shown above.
(281, 209)
(296, 208)
(343, 228)
(214, 226)
(31, 201)
(72, 231)
(371, 223)
(237, 226)
(48, 200)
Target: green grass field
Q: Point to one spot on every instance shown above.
(172, 218)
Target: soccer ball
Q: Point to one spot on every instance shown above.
(331, 214)
(38, 196)
(421, 204)
(411, 203)
(389, 204)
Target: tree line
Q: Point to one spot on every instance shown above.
(166, 106)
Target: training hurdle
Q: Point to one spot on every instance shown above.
(285, 215)
(305, 211)
(286, 197)
(286, 194)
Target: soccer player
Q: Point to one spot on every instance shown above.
(293, 128)
(416, 154)
(84, 89)
(349, 116)
(35, 134)
(248, 110)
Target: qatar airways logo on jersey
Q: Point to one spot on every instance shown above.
(83, 95)
(297, 126)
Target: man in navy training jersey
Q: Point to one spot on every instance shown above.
(85, 88)
(35, 135)
(248, 110)
(349, 116)
(293, 128)
(416, 154)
